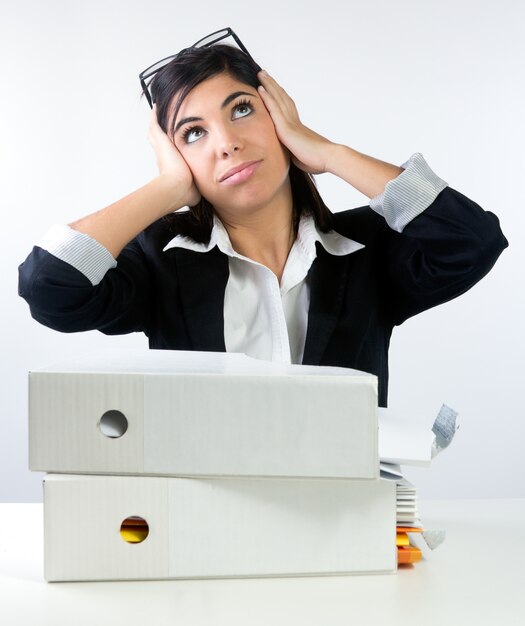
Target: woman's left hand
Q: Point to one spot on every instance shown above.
(308, 150)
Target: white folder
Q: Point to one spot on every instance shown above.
(217, 527)
(201, 414)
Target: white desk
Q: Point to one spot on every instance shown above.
(476, 577)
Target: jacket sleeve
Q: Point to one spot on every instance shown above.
(62, 297)
(440, 254)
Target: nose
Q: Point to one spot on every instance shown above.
(228, 142)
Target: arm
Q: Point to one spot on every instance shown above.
(365, 173)
(114, 226)
(71, 279)
(62, 297)
(315, 154)
(440, 254)
(438, 244)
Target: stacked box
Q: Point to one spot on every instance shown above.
(184, 464)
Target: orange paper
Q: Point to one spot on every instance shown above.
(408, 554)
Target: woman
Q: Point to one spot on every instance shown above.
(259, 264)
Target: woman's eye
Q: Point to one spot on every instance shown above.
(241, 110)
(193, 134)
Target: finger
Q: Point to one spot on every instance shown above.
(153, 126)
(270, 84)
(269, 81)
(280, 96)
(273, 87)
(274, 108)
(157, 136)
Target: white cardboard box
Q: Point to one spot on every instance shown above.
(217, 527)
(202, 414)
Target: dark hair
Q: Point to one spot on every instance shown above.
(174, 81)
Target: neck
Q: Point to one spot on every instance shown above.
(263, 236)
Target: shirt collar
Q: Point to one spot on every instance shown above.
(304, 251)
(332, 242)
(307, 236)
(219, 237)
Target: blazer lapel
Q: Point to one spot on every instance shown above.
(328, 277)
(202, 278)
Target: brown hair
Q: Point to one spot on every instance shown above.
(190, 68)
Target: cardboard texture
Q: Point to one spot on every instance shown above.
(202, 414)
(217, 527)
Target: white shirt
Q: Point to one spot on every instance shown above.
(262, 318)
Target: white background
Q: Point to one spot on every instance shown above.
(443, 77)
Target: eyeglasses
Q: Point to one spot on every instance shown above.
(205, 42)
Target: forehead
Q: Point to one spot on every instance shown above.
(210, 94)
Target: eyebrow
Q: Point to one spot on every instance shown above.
(226, 102)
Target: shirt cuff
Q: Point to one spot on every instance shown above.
(409, 194)
(79, 250)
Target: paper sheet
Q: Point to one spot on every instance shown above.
(405, 440)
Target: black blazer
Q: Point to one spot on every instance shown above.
(177, 297)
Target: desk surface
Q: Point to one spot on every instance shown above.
(476, 577)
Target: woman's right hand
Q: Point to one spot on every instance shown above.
(172, 166)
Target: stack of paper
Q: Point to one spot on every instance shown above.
(403, 441)
(408, 521)
(406, 552)
(407, 513)
(184, 464)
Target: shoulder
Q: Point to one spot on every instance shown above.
(161, 232)
(361, 224)
(158, 234)
(154, 238)
(151, 248)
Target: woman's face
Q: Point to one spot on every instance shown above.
(227, 137)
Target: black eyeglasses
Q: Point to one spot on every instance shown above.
(205, 42)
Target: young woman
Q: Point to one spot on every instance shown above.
(259, 264)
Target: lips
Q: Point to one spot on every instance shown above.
(239, 173)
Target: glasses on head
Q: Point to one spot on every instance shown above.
(147, 75)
